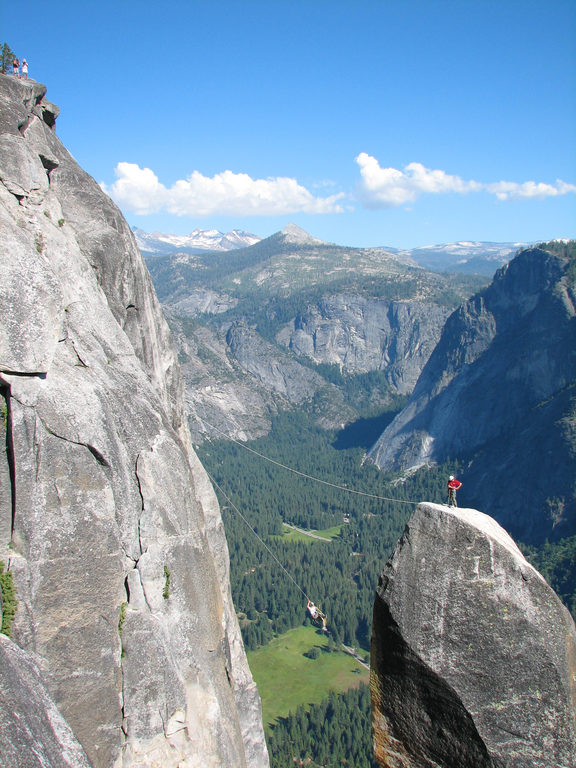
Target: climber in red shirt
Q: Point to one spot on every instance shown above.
(453, 486)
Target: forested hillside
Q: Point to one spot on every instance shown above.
(340, 575)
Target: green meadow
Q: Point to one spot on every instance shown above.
(327, 533)
(287, 678)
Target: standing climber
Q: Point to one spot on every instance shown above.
(453, 486)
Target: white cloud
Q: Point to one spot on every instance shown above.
(504, 190)
(225, 194)
(390, 187)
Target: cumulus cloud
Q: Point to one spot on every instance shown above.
(225, 194)
(504, 190)
(390, 187)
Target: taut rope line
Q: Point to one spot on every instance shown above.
(266, 547)
(303, 474)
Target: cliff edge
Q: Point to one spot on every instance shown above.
(108, 521)
(473, 659)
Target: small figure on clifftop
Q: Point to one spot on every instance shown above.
(25, 69)
(453, 486)
(15, 67)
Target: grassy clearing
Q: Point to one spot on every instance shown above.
(286, 678)
(328, 533)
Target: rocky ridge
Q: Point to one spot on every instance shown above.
(107, 520)
(473, 658)
(301, 303)
(500, 381)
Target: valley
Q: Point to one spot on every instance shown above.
(301, 664)
(320, 388)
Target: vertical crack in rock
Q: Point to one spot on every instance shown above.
(142, 505)
(8, 480)
(121, 620)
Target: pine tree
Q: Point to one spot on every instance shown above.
(8, 56)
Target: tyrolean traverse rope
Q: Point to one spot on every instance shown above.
(303, 474)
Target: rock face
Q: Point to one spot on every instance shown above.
(473, 655)
(501, 381)
(278, 373)
(108, 521)
(32, 730)
(360, 335)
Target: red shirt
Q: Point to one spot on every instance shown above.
(454, 485)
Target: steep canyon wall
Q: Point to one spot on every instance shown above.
(107, 519)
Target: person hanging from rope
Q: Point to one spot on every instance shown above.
(316, 615)
(453, 486)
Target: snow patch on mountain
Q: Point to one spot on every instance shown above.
(161, 244)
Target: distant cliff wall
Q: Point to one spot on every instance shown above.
(107, 519)
(361, 334)
(498, 391)
(473, 659)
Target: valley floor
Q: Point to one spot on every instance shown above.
(287, 678)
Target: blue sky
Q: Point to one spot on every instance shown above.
(366, 122)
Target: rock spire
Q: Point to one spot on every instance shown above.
(473, 655)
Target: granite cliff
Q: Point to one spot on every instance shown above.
(108, 522)
(500, 382)
(473, 660)
(359, 334)
(292, 322)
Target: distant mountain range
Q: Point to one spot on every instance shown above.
(482, 258)
(470, 257)
(160, 244)
(291, 320)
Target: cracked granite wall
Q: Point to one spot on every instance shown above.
(102, 495)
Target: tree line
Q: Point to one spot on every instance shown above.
(333, 734)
